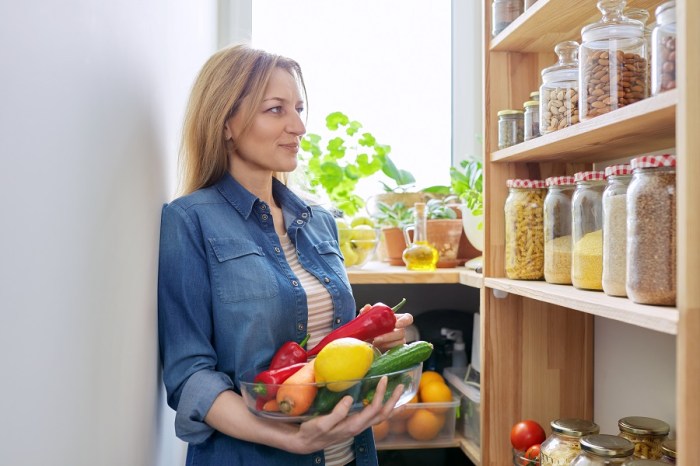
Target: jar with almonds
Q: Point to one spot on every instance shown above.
(663, 74)
(559, 90)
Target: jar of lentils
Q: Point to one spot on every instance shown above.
(651, 230)
(559, 90)
(524, 229)
(510, 128)
(563, 445)
(663, 43)
(646, 433)
(587, 230)
(557, 229)
(612, 61)
(668, 451)
(615, 229)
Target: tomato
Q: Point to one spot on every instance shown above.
(525, 434)
(533, 452)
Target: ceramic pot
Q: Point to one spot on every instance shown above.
(471, 223)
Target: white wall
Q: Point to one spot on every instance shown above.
(92, 100)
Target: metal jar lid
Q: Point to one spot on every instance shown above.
(574, 427)
(509, 112)
(641, 462)
(607, 446)
(639, 425)
(668, 448)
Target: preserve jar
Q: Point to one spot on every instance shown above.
(524, 229)
(646, 433)
(615, 229)
(603, 450)
(563, 444)
(504, 12)
(663, 53)
(510, 128)
(668, 451)
(557, 229)
(559, 90)
(532, 119)
(612, 62)
(651, 230)
(587, 230)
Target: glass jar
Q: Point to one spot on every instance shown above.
(524, 229)
(504, 12)
(642, 15)
(603, 450)
(646, 434)
(668, 451)
(559, 90)
(663, 54)
(615, 229)
(510, 128)
(529, 3)
(651, 230)
(532, 119)
(587, 230)
(612, 62)
(563, 445)
(535, 95)
(557, 229)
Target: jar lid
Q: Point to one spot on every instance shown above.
(531, 103)
(640, 14)
(509, 112)
(574, 427)
(668, 448)
(559, 180)
(527, 184)
(654, 161)
(607, 446)
(640, 425)
(665, 6)
(566, 68)
(613, 25)
(617, 170)
(534, 95)
(589, 176)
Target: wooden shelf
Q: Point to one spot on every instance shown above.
(377, 273)
(661, 319)
(639, 128)
(469, 448)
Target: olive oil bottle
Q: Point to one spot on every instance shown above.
(420, 254)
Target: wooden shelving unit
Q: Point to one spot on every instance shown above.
(377, 273)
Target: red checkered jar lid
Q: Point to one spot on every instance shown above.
(525, 184)
(618, 170)
(589, 176)
(654, 161)
(559, 180)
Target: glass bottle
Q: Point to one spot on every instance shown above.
(524, 229)
(559, 90)
(563, 445)
(612, 62)
(603, 450)
(532, 119)
(510, 128)
(663, 42)
(504, 12)
(420, 254)
(615, 229)
(646, 433)
(587, 228)
(557, 229)
(668, 451)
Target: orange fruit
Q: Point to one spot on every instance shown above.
(436, 392)
(429, 376)
(397, 426)
(380, 430)
(407, 411)
(425, 424)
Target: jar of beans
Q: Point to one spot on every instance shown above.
(587, 230)
(510, 128)
(557, 229)
(663, 42)
(524, 229)
(615, 229)
(668, 451)
(532, 119)
(612, 62)
(646, 433)
(603, 450)
(559, 90)
(651, 230)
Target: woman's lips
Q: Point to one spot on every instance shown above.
(291, 147)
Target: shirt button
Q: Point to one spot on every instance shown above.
(327, 280)
(299, 222)
(277, 250)
(263, 206)
(304, 215)
(337, 320)
(300, 327)
(361, 449)
(317, 460)
(264, 216)
(295, 283)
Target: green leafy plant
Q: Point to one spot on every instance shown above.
(395, 215)
(440, 209)
(467, 182)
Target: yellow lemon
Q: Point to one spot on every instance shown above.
(341, 361)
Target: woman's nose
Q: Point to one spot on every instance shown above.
(296, 125)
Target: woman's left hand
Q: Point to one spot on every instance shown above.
(394, 338)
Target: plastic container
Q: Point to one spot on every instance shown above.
(559, 93)
(510, 128)
(612, 62)
(557, 229)
(646, 433)
(651, 231)
(470, 402)
(504, 12)
(615, 229)
(427, 423)
(587, 230)
(668, 451)
(563, 445)
(603, 450)
(663, 54)
(524, 224)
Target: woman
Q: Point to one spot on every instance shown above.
(245, 266)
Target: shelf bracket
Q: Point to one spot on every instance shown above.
(499, 294)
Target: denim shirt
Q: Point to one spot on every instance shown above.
(227, 299)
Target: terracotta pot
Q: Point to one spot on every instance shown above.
(392, 246)
(445, 235)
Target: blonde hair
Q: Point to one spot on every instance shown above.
(229, 76)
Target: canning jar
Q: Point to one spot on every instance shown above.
(563, 445)
(510, 128)
(587, 230)
(603, 450)
(612, 62)
(535, 95)
(559, 90)
(651, 230)
(504, 12)
(557, 229)
(663, 54)
(524, 229)
(615, 229)
(646, 433)
(668, 451)
(532, 119)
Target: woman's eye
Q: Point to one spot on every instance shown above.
(300, 110)
(277, 109)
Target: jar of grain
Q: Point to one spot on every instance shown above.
(557, 229)
(612, 62)
(587, 229)
(504, 12)
(603, 450)
(615, 229)
(668, 451)
(532, 119)
(510, 128)
(524, 229)
(651, 230)
(646, 433)
(663, 43)
(559, 90)
(563, 445)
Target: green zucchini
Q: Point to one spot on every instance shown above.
(326, 399)
(394, 381)
(400, 358)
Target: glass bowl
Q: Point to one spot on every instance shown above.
(519, 459)
(325, 400)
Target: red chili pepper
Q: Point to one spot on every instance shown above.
(266, 382)
(378, 320)
(290, 353)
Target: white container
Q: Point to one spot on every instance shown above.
(470, 402)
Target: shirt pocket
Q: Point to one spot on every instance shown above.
(331, 255)
(240, 271)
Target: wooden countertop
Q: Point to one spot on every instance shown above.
(377, 273)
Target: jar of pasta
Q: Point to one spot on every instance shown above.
(663, 54)
(510, 128)
(615, 229)
(563, 445)
(587, 230)
(651, 230)
(524, 229)
(603, 450)
(668, 451)
(646, 433)
(557, 229)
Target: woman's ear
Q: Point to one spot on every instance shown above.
(228, 133)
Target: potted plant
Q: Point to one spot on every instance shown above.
(445, 229)
(392, 219)
(467, 182)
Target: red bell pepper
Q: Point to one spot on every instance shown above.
(290, 353)
(266, 382)
(378, 320)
